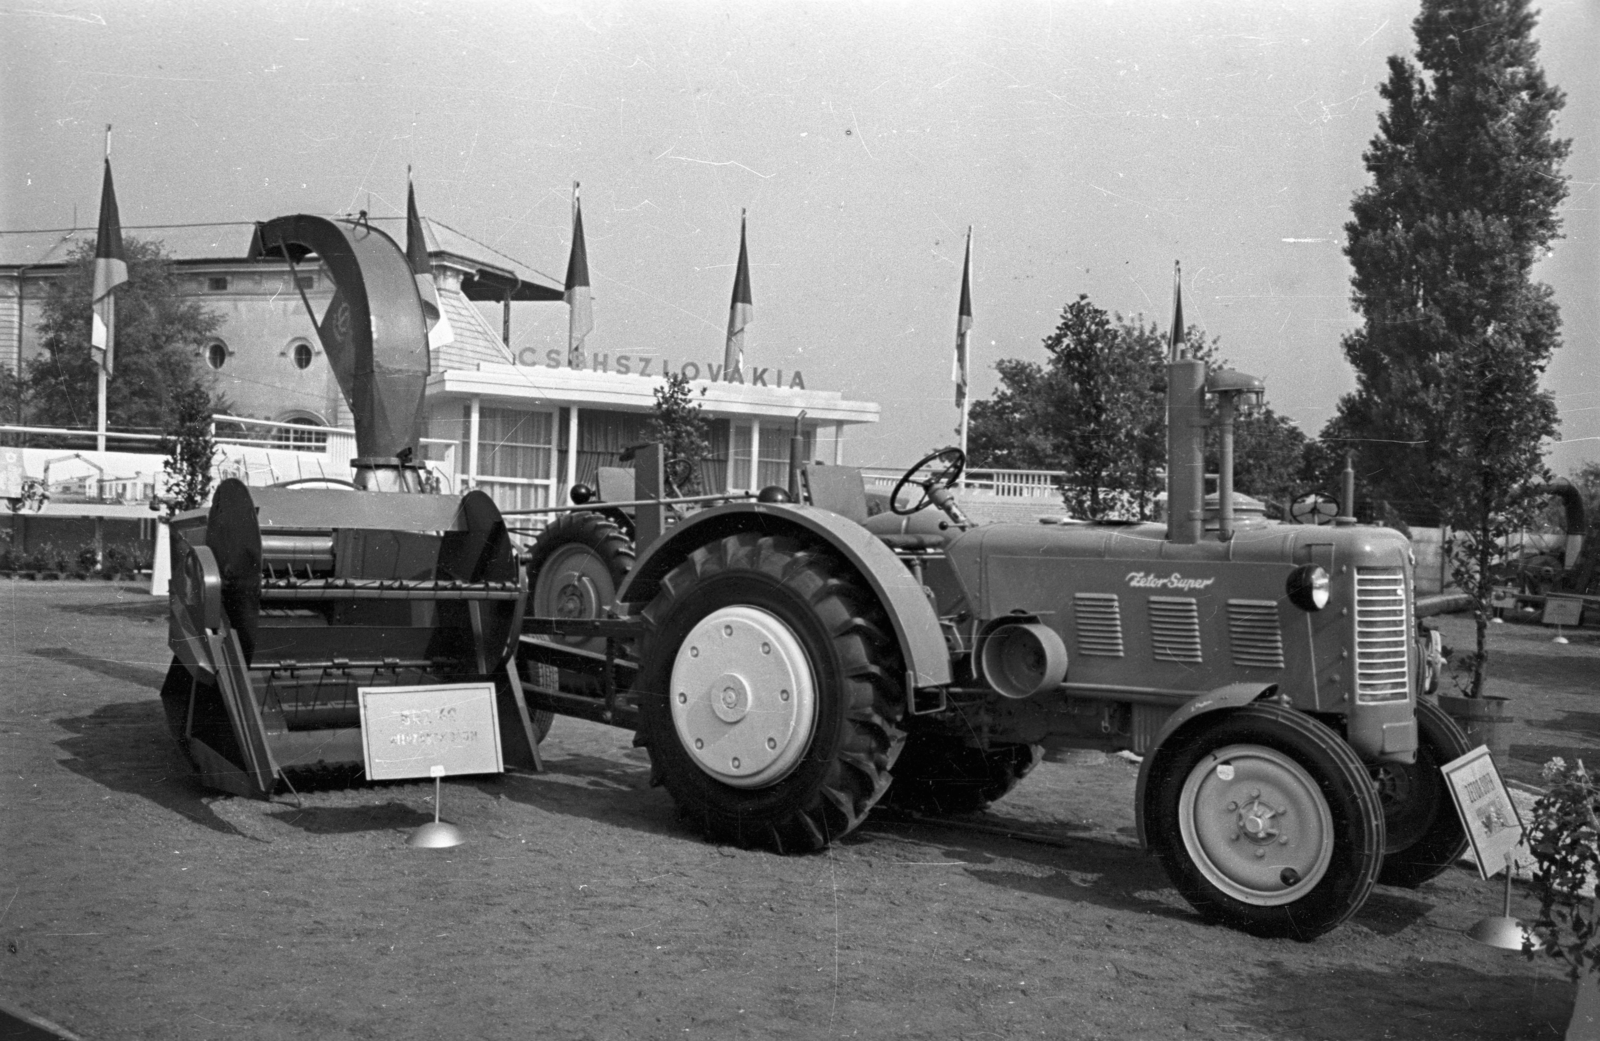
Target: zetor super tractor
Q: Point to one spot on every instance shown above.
(791, 661)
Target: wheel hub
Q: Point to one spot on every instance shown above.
(1256, 825)
(743, 697)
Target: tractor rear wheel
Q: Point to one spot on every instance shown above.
(941, 773)
(768, 693)
(1266, 821)
(1424, 834)
(574, 571)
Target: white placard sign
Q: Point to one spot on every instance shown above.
(410, 731)
(1485, 809)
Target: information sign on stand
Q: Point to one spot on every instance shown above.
(1561, 610)
(411, 731)
(1485, 808)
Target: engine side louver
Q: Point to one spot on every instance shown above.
(1099, 623)
(1175, 629)
(1254, 635)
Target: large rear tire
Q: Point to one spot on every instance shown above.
(768, 693)
(1424, 834)
(1266, 821)
(941, 773)
(574, 571)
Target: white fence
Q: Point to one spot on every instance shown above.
(256, 451)
(1004, 484)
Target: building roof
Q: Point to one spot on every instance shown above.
(475, 343)
(488, 273)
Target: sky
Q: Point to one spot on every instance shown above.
(1088, 144)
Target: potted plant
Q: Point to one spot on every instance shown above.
(1564, 838)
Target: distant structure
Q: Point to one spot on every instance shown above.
(523, 426)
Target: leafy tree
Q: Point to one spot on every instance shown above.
(190, 451)
(1447, 417)
(1465, 185)
(1269, 457)
(681, 427)
(158, 332)
(1097, 409)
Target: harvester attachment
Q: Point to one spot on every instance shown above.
(287, 602)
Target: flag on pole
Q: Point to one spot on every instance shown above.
(439, 331)
(580, 311)
(959, 367)
(740, 310)
(1176, 348)
(110, 271)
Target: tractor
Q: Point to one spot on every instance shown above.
(792, 660)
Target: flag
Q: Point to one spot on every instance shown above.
(580, 312)
(740, 310)
(959, 367)
(1176, 348)
(439, 331)
(110, 271)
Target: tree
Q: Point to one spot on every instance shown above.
(190, 451)
(158, 333)
(681, 427)
(1465, 185)
(1447, 418)
(1097, 409)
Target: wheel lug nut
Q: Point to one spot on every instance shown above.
(736, 762)
(766, 648)
(694, 652)
(783, 694)
(1232, 806)
(683, 699)
(727, 630)
(1260, 853)
(699, 743)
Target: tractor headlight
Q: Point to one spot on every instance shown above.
(1308, 587)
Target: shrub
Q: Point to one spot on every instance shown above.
(1565, 840)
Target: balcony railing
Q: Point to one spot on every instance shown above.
(1044, 485)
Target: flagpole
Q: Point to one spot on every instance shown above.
(966, 397)
(100, 370)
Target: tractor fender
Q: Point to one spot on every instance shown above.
(1232, 696)
(916, 626)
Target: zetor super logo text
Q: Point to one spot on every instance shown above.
(1146, 580)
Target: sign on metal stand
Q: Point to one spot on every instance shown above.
(436, 731)
(1485, 808)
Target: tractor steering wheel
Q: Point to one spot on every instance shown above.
(954, 461)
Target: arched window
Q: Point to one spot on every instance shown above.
(217, 354)
(303, 433)
(300, 353)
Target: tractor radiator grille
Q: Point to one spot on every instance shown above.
(1254, 634)
(1383, 628)
(1175, 628)
(1099, 620)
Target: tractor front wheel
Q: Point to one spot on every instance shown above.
(768, 692)
(1266, 821)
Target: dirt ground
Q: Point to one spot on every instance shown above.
(133, 904)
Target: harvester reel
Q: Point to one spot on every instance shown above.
(234, 537)
(952, 463)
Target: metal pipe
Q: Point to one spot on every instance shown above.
(1185, 450)
(1226, 405)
